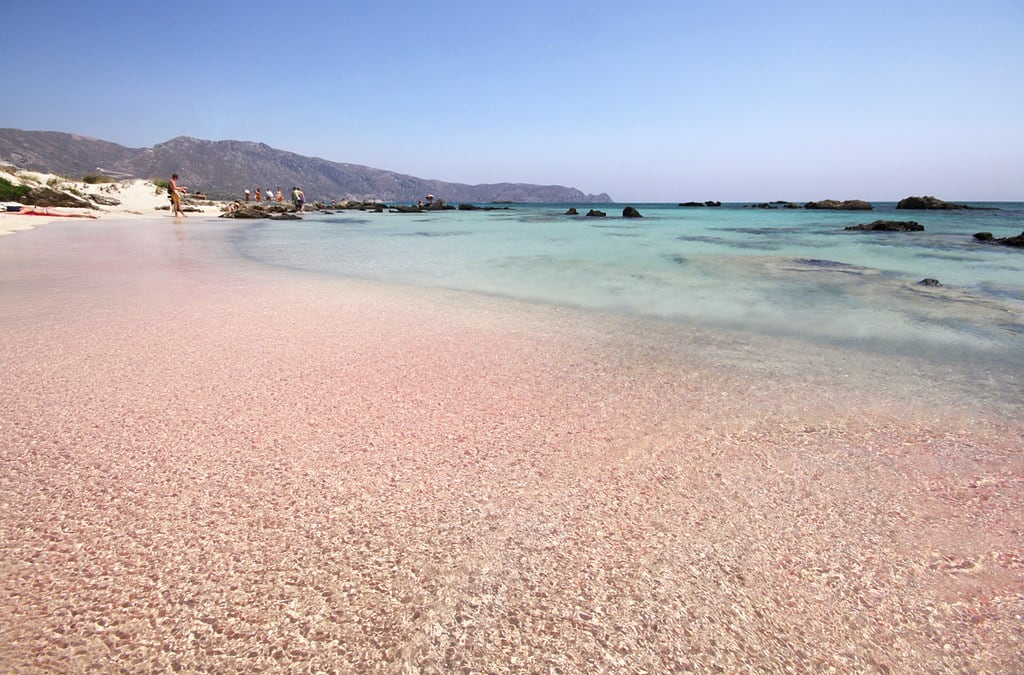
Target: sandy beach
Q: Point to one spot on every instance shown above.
(130, 199)
(210, 466)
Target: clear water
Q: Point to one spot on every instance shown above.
(787, 271)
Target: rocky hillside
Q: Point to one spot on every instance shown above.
(223, 169)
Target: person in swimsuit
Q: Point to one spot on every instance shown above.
(176, 191)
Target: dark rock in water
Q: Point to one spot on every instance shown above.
(692, 204)
(712, 203)
(276, 211)
(630, 212)
(594, 213)
(846, 205)
(104, 200)
(1016, 242)
(889, 226)
(44, 196)
(474, 207)
(402, 208)
(572, 212)
(919, 203)
(929, 282)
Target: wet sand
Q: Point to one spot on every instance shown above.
(208, 466)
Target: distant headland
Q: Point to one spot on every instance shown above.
(225, 169)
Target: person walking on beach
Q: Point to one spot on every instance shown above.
(176, 190)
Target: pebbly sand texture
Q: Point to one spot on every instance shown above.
(212, 468)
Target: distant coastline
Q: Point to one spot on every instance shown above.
(225, 169)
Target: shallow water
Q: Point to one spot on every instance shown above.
(774, 272)
(844, 320)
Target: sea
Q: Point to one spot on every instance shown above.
(769, 271)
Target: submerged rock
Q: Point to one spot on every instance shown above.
(929, 282)
(889, 226)
(594, 213)
(474, 207)
(572, 212)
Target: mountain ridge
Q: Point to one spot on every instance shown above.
(224, 169)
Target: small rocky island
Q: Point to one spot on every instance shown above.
(845, 205)
(929, 203)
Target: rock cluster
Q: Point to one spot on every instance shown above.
(48, 197)
(1016, 242)
(921, 203)
(474, 207)
(271, 211)
(774, 205)
(846, 205)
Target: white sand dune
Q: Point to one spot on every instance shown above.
(137, 198)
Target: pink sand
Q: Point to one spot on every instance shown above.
(212, 467)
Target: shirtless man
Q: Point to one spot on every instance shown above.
(176, 191)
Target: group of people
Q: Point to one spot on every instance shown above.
(298, 198)
(269, 195)
(175, 191)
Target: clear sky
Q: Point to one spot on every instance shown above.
(660, 100)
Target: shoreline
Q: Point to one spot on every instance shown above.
(213, 465)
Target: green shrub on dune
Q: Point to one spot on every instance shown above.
(9, 192)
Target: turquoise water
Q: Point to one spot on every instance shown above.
(787, 271)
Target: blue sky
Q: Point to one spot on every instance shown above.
(648, 101)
